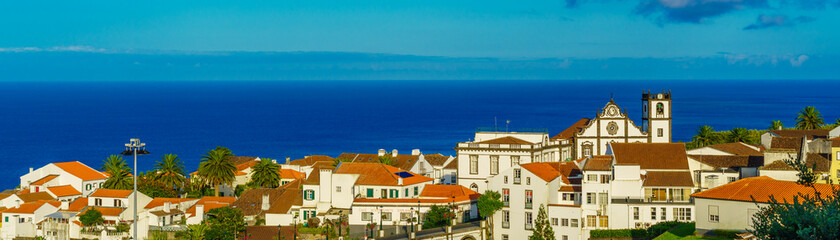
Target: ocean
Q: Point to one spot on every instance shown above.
(45, 122)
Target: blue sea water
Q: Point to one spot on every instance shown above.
(45, 122)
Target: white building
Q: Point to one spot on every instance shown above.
(166, 211)
(720, 164)
(20, 221)
(196, 213)
(76, 174)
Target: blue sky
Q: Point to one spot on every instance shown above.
(754, 32)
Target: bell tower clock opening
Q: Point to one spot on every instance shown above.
(656, 117)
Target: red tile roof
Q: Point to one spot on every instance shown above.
(761, 188)
(548, 171)
(44, 180)
(291, 174)
(737, 148)
(445, 191)
(280, 200)
(379, 174)
(111, 193)
(416, 200)
(78, 204)
(651, 155)
(29, 208)
(309, 160)
(315, 178)
(786, 143)
(835, 142)
(452, 165)
(810, 134)
(80, 170)
(569, 189)
(64, 191)
(507, 140)
(211, 203)
(33, 197)
(571, 130)
(598, 163)
(436, 159)
(156, 202)
(401, 161)
(668, 179)
(729, 161)
(815, 160)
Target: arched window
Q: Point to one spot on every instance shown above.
(660, 109)
(587, 149)
(474, 187)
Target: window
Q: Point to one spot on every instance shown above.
(337, 188)
(659, 132)
(662, 215)
(527, 180)
(714, 215)
(416, 190)
(370, 192)
(7, 219)
(635, 213)
(660, 109)
(565, 237)
(366, 216)
(592, 178)
(587, 149)
(514, 160)
(506, 197)
(653, 213)
(406, 192)
(603, 221)
(529, 199)
(573, 222)
(590, 198)
(437, 173)
(605, 178)
(655, 194)
(682, 214)
(97, 202)
(386, 216)
(838, 170)
(384, 193)
(117, 203)
(405, 216)
(506, 177)
(494, 164)
(591, 221)
(517, 176)
(88, 187)
(732, 179)
(564, 222)
(505, 219)
(837, 156)
(537, 158)
(568, 196)
(677, 194)
(529, 222)
(554, 222)
(505, 237)
(473, 164)
(603, 198)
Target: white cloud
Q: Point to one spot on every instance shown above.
(54, 49)
(797, 61)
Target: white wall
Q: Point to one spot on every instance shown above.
(783, 175)
(733, 215)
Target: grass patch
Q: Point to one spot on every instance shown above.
(686, 232)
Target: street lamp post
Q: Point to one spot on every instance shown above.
(339, 222)
(295, 218)
(380, 218)
(411, 219)
(135, 147)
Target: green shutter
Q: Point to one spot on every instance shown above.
(406, 192)
(370, 192)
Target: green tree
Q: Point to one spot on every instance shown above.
(224, 223)
(776, 125)
(147, 184)
(215, 168)
(170, 170)
(739, 135)
(266, 174)
(488, 204)
(387, 160)
(339, 161)
(91, 217)
(705, 136)
(119, 173)
(542, 228)
(437, 216)
(809, 118)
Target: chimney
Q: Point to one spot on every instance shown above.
(274, 161)
(381, 152)
(199, 211)
(64, 205)
(288, 159)
(394, 153)
(777, 128)
(17, 203)
(265, 203)
(167, 206)
(30, 169)
(399, 181)
(415, 151)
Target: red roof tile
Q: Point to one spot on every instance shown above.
(44, 180)
(211, 203)
(78, 204)
(668, 179)
(81, 170)
(445, 191)
(156, 202)
(548, 171)
(598, 163)
(379, 174)
(111, 193)
(571, 130)
(291, 174)
(309, 160)
(507, 140)
(64, 191)
(33, 197)
(761, 188)
(651, 155)
(29, 208)
(797, 133)
(106, 211)
(737, 148)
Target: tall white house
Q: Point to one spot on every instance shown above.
(82, 178)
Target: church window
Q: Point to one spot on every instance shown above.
(473, 164)
(494, 164)
(514, 160)
(587, 149)
(659, 132)
(660, 109)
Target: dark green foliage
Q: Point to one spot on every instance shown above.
(707, 136)
(170, 171)
(240, 189)
(215, 168)
(726, 233)
(146, 184)
(635, 233)
(224, 223)
(91, 217)
(339, 161)
(265, 174)
(542, 228)
(313, 222)
(120, 173)
(437, 216)
(740, 135)
(660, 228)
(806, 174)
(387, 160)
(488, 204)
(809, 118)
(776, 125)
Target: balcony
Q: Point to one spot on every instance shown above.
(529, 226)
(506, 203)
(529, 205)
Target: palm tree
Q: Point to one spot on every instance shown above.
(387, 160)
(739, 135)
(705, 136)
(339, 161)
(266, 174)
(776, 125)
(170, 170)
(215, 168)
(809, 118)
(119, 173)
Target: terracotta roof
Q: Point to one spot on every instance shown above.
(80, 170)
(651, 155)
(564, 205)
(211, 203)
(400, 161)
(78, 204)
(315, 178)
(571, 130)
(5, 195)
(106, 211)
(786, 143)
(668, 179)
(506, 140)
(436, 159)
(33, 197)
(415, 200)
(163, 213)
(835, 142)
(548, 171)
(237, 160)
(289, 173)
(729, 161)
(64, 190)
(737, 148)
(111, 193)
(156, 202)
(796, 133)
(761, 188)
(821, 163)
(309, 160)
(44, 180)
(598, 163)
(452, 165)
(445, 191)
(569, 189)
(379, 174)
(23, 191)
(31, 207)
(280, 200)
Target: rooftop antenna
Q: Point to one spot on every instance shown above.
(507, 126)
(611, 97)
(495, 124)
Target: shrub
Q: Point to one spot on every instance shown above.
(635, 233)
(313, 222)
(660, 228)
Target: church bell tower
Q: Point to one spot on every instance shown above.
(656, 117)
